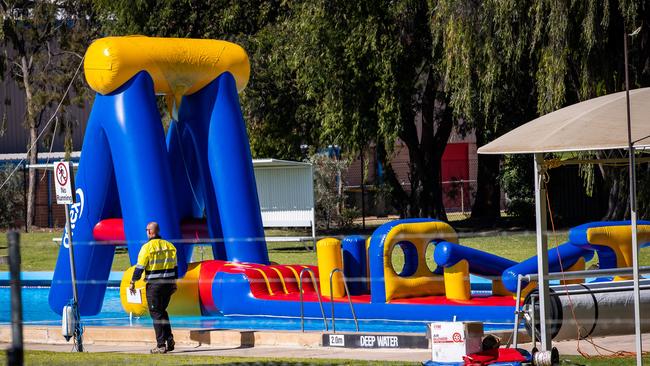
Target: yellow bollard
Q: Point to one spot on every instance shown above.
(329, 255)
(457, 286)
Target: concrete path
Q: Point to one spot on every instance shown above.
(609, 345)
(613, 344)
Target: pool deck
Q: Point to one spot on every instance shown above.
(280, 344)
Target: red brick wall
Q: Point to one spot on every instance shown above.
(46, 205)
(458, 163)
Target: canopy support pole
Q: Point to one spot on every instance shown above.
(633, 219)
(542, 251)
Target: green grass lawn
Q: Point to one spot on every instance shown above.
(39, 252)
(59, 358)
(520, 246)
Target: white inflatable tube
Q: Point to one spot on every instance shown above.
(592, 309)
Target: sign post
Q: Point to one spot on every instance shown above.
(65, 196)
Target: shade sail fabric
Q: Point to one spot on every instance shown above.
(595, 124)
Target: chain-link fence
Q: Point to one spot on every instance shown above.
(458, 198)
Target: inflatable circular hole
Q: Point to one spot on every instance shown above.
(428, 256)
(397, 259)
(404, 259)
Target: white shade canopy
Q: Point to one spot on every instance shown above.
(595, 124)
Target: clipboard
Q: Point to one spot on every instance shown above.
(134, 298)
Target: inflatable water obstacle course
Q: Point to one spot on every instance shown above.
(196, 180)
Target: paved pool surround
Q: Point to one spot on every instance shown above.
(188, 337)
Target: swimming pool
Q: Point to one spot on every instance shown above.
(36, 311)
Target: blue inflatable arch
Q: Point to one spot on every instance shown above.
(129, 169)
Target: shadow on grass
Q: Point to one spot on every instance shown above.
(273, 363)
(294, 363)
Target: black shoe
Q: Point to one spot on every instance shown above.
(159, 350)
(170, 345)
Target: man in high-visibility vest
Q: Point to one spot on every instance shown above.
(157, 259)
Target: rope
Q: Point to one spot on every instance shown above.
(588, 338)
(546, 358)
(564, 282)
(56, 124)
(77, 339)
(47, 124)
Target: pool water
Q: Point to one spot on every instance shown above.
(36, 311)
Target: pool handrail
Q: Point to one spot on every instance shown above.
(320, 301)
(347, 293)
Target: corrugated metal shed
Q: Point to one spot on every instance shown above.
(14, 136)
(286, 193)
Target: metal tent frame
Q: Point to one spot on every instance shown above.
(568, 130)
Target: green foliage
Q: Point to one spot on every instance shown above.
(279, 118)
(369, 71)
(113, 358)
(346, 73)
(505, 62)
(328, 189)
(643, 191)
(517, 181)
(333, 56)
(46, 41)
(11, 197)
(364, 73)
(487, 72)
(220, 19)
(347, 217)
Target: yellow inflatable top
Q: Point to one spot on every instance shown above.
(178, 66)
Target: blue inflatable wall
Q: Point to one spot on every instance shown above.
(129, 169)
(354, 264)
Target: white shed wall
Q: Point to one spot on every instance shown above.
(286, 195)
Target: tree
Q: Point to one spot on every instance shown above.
(507, 62)
(368, 67)
(324, 72)
(278, 115)
(278, 118)
(487, 67)
(580, 55)
(44, 41)
(11, 197)
(330, 202)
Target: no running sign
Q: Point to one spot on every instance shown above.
(63, 183)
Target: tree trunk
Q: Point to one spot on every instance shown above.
(619, 195)
(426, 153)
(32, 147)
(487, 204)
(437, 124)
(398, 195)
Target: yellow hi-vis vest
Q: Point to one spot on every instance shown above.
(158, 259)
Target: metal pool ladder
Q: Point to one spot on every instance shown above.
(347, 293)
(320, 301)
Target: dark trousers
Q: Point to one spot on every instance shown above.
(158, 296)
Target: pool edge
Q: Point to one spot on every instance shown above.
(189, 337)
